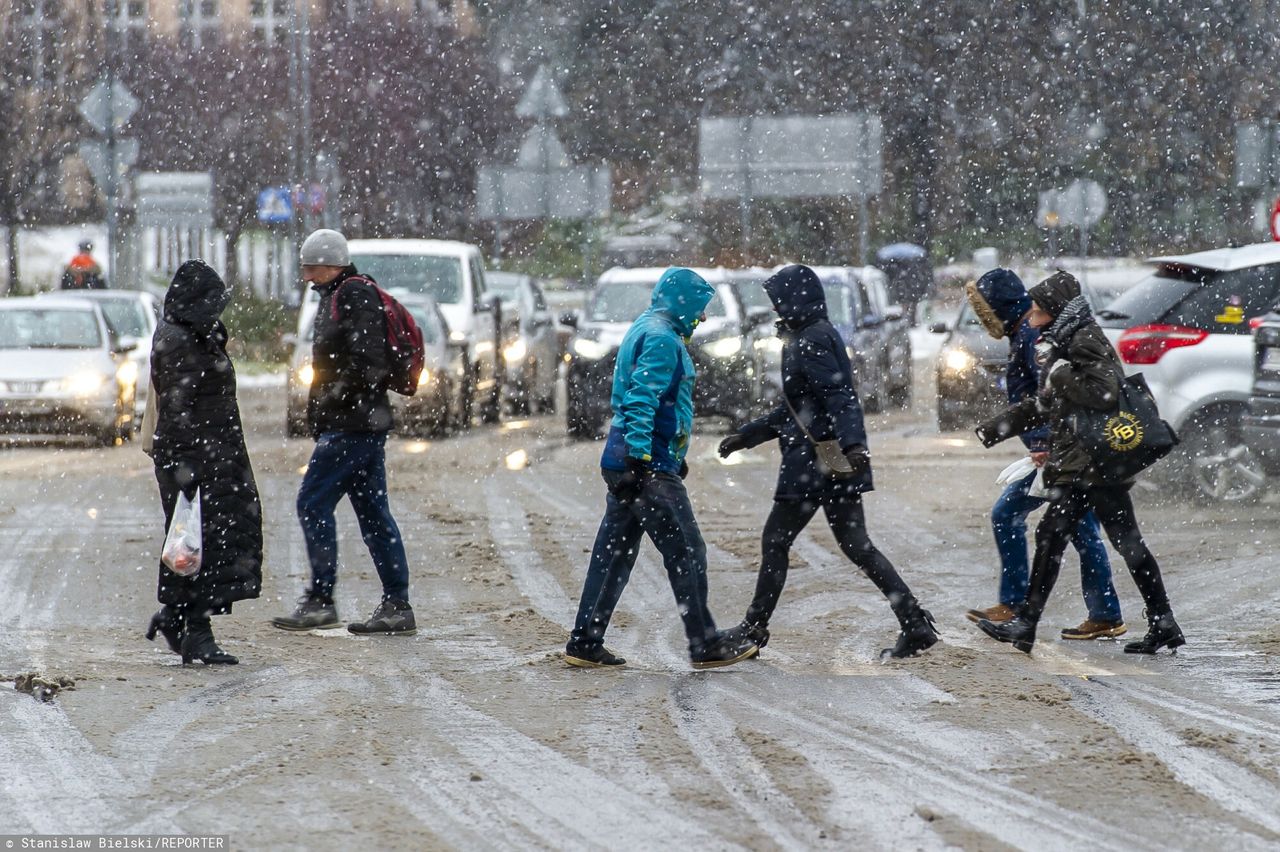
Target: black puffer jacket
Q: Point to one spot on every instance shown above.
(351, 359)
(1090, 379)
(817, 381)
(199, 441)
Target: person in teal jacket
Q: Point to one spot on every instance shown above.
(643, 466)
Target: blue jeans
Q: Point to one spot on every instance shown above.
(351, 464)
(663, 513)
(1009, 523)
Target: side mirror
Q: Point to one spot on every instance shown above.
(893, 313)
(871, 321)
(125, 344)
(569, 318)
(939, 328)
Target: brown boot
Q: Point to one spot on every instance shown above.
(1090, 629)
(997, 614)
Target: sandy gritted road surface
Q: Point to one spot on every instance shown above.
(474, 734)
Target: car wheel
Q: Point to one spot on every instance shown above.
(467, 406)
(491, 409)
(1218, 465)
(901, 397)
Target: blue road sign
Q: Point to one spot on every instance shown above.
(275, 205)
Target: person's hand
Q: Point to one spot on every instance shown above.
(732, 444)
(684, 469)
(1057, 365)
(1039, 459)
(632, 482)
(1045, 351)
(859, 460)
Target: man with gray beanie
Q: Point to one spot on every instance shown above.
(349, 415)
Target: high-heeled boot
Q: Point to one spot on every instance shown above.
(198, 643)
(918, 632)
(168, 623)
(1020, 632)
(1162, 632)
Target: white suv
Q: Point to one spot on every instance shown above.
(1186, 328)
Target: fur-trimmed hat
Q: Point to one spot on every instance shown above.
(1000, 301)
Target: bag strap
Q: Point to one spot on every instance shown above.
(795, 416)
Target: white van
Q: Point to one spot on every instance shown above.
(452, 273)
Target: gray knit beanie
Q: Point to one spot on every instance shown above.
(325, 247)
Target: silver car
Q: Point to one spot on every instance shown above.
(532, 351)
(63, 372)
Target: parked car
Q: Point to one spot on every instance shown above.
(131, 317)
(532, 353)
(894, 331)
(451, 273)
(1186, 328)
(1261, 422)
(722, 348)
(438, 405)
(849, 311)
(748, 285)
(62, 371)
(971, 365)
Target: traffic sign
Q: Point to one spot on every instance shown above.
(1081, 204)
(95, 106)
(94, 155)
(174, 199)
(275, 205)
(542, 99)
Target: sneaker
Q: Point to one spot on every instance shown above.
(314, 612)
(732, 646)
(1090, 629)
(392, 617)
(599, 657)
(995, 614)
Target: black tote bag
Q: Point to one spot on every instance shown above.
(1128, 439)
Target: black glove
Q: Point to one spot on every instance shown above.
(732, 444)
(632, 482)
(684, 469)
(859, 460)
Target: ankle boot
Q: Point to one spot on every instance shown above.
(198, 643)
(1020, 632)
(1162, 632)
(918, 632)
(168, 623)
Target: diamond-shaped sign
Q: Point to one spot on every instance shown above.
(95, 106)
(94, 155)
(542, 99)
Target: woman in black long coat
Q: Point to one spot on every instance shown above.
(199, 443)
(819, 404)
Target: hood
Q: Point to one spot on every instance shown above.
(1053, 293)
(797, 295)
(1000, 300)
(682, 295)
(197, 296)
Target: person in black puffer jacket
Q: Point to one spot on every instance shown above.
(199, 443)
(818, 391)
(1079, 370)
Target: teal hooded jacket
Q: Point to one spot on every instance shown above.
(653, 379)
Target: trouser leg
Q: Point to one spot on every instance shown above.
(785, 522)
(328, 476)
(1095, 571)
(612, 558)
(1052, 535)
(378, 528)
(1114, 508)
(1009, 525)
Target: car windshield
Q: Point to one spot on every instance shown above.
(839, 305)
(437, 276)
(125, 317)
(427, 322)
(624, 301)
(53, 328)
(1219, 301)
(506, 286)
(753, 295)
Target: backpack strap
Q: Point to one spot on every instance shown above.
(333, 303)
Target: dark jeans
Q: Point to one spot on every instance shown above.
(1009, 523)
(847, 523)
(1114, 509)
(351, 464)
(663, 513)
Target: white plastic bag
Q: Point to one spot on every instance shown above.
(182, 545)
(1020, 469)
(1038, 488)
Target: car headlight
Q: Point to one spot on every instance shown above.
(957, 361)
(306, 375)
(592, 350)
(425, 378)
(772, 345)
(458, 336)
(127, 374)
(516, 350)
(84, 383)
(725, 347)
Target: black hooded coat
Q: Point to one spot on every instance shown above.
(817, 380)
(199, 442)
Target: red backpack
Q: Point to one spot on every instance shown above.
(404, 339)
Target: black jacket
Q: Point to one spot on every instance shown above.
(350, 358)
(817, 380)
(1090, 379)
(199, 442)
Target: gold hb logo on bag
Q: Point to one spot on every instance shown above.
(1123, 432)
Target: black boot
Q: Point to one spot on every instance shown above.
(168, 623)
(198, 643)
(754, 631)
(1020, 632)
(918, 632)
(1162, 632)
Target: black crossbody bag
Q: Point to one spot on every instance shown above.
(1128, 439)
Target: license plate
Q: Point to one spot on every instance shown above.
(1271, 360)
(24, 387)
